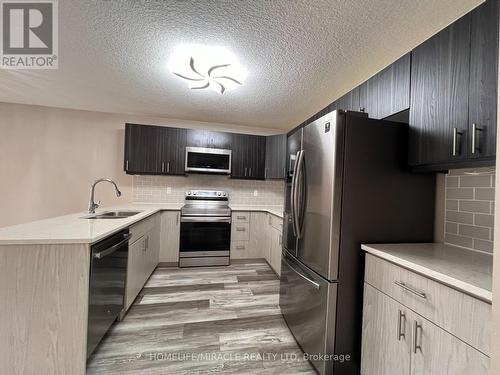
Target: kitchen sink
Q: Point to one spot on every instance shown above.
(112, 215)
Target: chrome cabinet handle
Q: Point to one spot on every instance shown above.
(416, 346)
(168, 167)
(177, 219)
(240, 229)
(241, 217)
(474, 147)
(456, 149)
(126, 165)
(245, 172)
(250, 172)
(401, 334)
(162, 166)
(410, 289)
(314, 283)
(240, 247)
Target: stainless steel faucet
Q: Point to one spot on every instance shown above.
(93, 205)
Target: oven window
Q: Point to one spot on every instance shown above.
(208, 161)
(205, 236)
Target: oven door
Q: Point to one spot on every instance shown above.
(205, 236)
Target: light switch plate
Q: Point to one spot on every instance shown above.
(169, 190)
(255, 193)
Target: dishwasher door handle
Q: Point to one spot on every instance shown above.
(112, 249)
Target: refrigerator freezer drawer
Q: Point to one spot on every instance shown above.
(307, 303)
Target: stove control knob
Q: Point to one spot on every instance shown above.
(219, 194)
(189, 193)
(194, 193)
(225, 194)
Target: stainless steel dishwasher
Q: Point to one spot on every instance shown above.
(108, 271)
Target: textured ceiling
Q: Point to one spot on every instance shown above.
(300, 54)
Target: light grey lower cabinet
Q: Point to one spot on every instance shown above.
(396, 340)
(143, 256)
(170, 224)
(257, 235)
(386, 336)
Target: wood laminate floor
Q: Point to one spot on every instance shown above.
(206, 320)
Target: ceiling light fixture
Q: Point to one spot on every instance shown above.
(207, 67)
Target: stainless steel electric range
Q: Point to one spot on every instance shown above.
(205, 229)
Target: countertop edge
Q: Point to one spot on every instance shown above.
(130, 221)
(452, 282)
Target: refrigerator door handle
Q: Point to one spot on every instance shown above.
(314, 283)
(293, 194)
(299, 208)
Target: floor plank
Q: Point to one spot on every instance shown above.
(222, 320)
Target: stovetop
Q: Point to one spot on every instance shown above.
(206, 203)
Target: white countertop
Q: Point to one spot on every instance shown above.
(74, 229)
(462, 269)
(274, 210)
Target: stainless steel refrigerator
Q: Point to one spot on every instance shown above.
(347, 184)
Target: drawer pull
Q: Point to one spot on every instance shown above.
(411, 290)
(240, 247)
(416, 346)
(241, 217)
(240, 229)
(400, 325)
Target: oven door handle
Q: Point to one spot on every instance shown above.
(205, 219)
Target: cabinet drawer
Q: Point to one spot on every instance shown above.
(240, 232)
(141, 228)
(240, 249)
(241, 217)
(276, 222)
(466, 317)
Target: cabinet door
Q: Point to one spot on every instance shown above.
(348, 102)
(275, 156)
(153, 251)
(275, 249)
(142, 149)
(172, 150)
(368, 97)
(170, 235)
(197, 138)
(218, 140)
(239, 155)
(386, 335)
(484, 79)
(256, 157)
(394, 87)
(436, 352)
(135, 270)
(439, 96)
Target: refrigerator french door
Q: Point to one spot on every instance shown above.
(348, 184)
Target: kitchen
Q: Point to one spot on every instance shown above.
(171, 206)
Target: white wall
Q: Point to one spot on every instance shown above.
(50, 156)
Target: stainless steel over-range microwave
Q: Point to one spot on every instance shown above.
(208, 160)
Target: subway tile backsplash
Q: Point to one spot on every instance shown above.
(470, 205)
(172, 189)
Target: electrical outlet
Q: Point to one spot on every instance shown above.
(169, 190)
(255, 193)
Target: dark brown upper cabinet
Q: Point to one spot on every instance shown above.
(208, 139)
(248, 156)
(154, 149)
(348, 102)
(454, 93)
(142, 149)
(483, 83)
(387, 92)
(275, 157)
